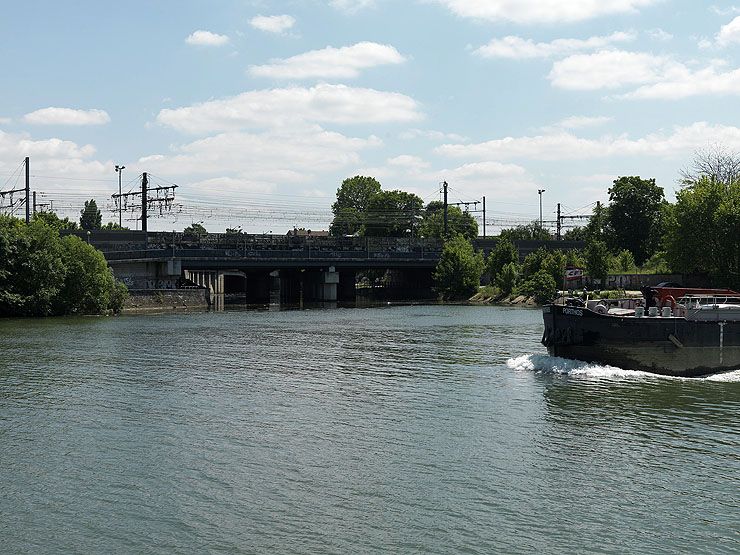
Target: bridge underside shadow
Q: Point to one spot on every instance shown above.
(309, 287)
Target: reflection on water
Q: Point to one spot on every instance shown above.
(429, 429)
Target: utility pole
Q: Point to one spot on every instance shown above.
(558, 232)
(144, 183)
(28, 193)
(484, 217)
(539, 192)
(119, 171)
(164, 197)
(444, 186)
(34, 203)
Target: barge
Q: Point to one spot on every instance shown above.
(695, 333)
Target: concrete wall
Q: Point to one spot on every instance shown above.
(179, 299)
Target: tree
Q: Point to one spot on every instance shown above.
(90, 216)
(577, 233)
(714, 162)
(459, 269)
(541, 286)
(195, 230)
(42, 274)
(596, 227)
(503, 253)
(458, 222)
(353, 198)
(598, 260)
(506, 279)
(392, 214)
(703, 234)
(52, 220)
(529, 232)
(635, 216)
(89, 286)
(624, 262)
(113, 226)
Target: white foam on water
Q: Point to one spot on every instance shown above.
(577, 368)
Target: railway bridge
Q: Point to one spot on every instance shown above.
(276, 269)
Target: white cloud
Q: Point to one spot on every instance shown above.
(273, 23)
(660, 35)
(345, 62)
(431, 134)
(725, 11)
(730, 33)
(241, 161)
(206, 38)
(59, 158)
(408, 162)
(608, 69)
(656, 77)
(5, 121)
(542, 11)
(566, 146)
(578, 122)
(287, 107)
(519, 48)
(67, 116)
(351, 6)
(685, 83)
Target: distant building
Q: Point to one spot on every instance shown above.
(303, 232)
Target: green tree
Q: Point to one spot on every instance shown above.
(541, 286)
(459, 269)
(90, 216)
(503, 253)
(555, 264)
(596, 228)
(353, 198)
(42, 274)
(529, 232)
(458, 222)
(113, 226)
(635, 216)
(89, 286)
(52, 220)
(577, 233)
(507, 277)
(598, 260)
(624, 262)
(195, 230)
(703, 233)
(392, 214)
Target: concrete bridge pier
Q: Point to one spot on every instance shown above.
(347, 287)
(213, 281)
(300, 288)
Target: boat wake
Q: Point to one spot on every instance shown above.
(555, 365)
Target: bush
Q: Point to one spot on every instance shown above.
(507, 277)
(541, 286)
(459, 269)
(42, 274)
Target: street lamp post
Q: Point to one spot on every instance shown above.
(539, 192)
(119, 171)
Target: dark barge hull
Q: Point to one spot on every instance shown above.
(669, 346)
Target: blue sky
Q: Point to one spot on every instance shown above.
(259, 109)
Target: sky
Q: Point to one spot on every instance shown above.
(259, 109)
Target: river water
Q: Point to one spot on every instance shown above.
(424, 429)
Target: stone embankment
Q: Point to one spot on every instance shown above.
(166, 299)
(486, 298)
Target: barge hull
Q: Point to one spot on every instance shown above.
(668, 346)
